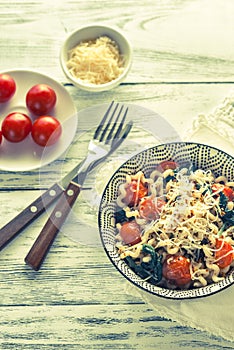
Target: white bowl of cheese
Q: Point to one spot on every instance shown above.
(96, 58)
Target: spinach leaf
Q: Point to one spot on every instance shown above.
(151, 270)
(120, 216)
(223, 201)
(228, 218)
(168, 178)
(137, 268)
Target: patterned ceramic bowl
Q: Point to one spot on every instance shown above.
(199, 156)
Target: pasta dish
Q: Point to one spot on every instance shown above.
(175, 228)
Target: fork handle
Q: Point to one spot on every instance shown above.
(29, 214)
(41, 246)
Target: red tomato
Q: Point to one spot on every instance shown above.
(224, 261)
(150, 209)
(176, 270)
(16, 127)
(40, 99)
(46, 130)
(167, 164)
(7, 87)
(227, 191)
(133, 194)
(130, 232)
(0, 137)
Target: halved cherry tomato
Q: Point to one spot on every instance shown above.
(46, 130)
(134, 194)
(176, 269)
(223, 261)
(16, 127)
(130, 232)
(7, 87)
(167, 164)
(227, 191)
(150, 208)
(40, 99)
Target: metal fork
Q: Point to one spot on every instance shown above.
(109, 134)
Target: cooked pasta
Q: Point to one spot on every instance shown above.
(176, 227)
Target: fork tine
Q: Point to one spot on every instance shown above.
(124, 133)
(120, 124)
(109, 136)
(102, 122)
(104, 125)
(108, 124)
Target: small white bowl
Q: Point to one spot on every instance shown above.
(93, 32)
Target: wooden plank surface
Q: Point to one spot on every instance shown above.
(118, 327)
(183, 65)
(178, 41)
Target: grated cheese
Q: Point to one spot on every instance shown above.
(96, 61)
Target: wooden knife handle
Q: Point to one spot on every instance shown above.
(41, 246)
(29, 214)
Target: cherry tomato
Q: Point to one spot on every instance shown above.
(150, 209)
(227, 191)
(7, 87)
(134, 194)
(167, 164)
(16, 127)
(130, 232)
(176, 269)
(46, 130)
(223, 261)
(41, 99)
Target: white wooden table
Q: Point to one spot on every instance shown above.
(183, 65)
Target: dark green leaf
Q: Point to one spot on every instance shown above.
(152, 269)
(223, 200)
(228, 218)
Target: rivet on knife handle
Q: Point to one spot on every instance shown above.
(24, 218)
(43, 242)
